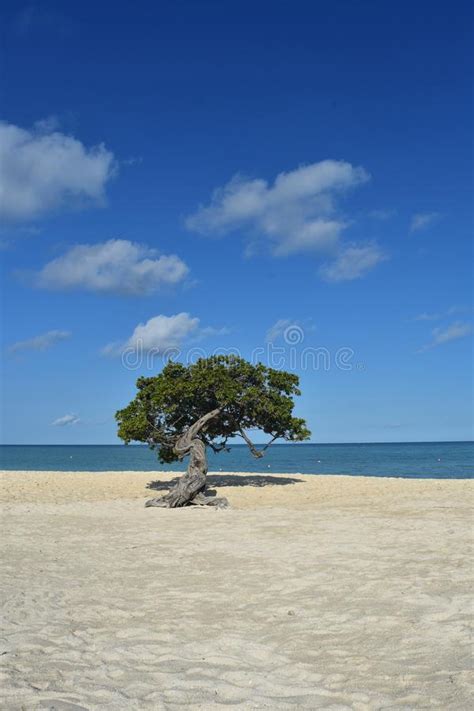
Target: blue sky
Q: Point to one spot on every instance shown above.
(266, 177)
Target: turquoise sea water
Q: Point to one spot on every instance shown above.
(433, 460)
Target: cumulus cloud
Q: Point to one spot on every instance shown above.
(453, 332)
(42, 170)
(66, 420)
(116, 266)
(422, 220)
(159, 334)
(353, 262)
(41, 342)
(50, 124)
(297, 213)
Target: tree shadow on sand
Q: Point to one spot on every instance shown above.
(231, 480)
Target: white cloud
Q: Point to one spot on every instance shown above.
(116, 266)
(41, 342)
(158, 334)
(47, 125)
(133, 160)
(437, 316)
(66, 420)
(291, 331)
(42, 170)
(277, 330)
(422, 220)
(296, 213)
(353, 262)
(453, 332)
(211, 331)
(428, 317)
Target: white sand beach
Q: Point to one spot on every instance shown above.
(309, 593)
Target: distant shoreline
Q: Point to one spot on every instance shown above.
(433, 460)
(257, 444)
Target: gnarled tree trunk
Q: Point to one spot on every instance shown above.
(190, 488)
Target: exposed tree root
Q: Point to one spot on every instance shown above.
(219, 502)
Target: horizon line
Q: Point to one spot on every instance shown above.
(239, 444)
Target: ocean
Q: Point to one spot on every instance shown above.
(419, 460)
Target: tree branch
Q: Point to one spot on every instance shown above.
(162, 437)
(269, 443)
(217, 447)
(183, 444)
(258, 453)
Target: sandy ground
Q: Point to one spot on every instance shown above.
(320, 593)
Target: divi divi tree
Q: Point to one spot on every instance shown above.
(185, 409)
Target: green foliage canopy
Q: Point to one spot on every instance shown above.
(247, 397)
